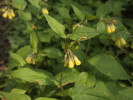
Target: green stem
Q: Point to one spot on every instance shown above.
(87, 48)
(38, 39)
(62, 90)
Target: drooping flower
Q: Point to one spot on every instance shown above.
(120, 41)
(71, 59)
(110, 28)
(31, 59)
(45, 11)
(8, 13)
(77, 61)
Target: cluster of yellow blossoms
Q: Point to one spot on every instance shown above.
(31, 59)
(8, 12)
(71, 59)
(45, 11)
(110, 28)
(120, 41)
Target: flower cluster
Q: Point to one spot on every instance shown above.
(31, 59)
(120, 41)
(45, 11)
(8, 12)
(132, 45)
(110, 28)
(70, 59)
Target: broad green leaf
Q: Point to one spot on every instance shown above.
(24, 51)
(18, 59)
(69, 76)
(21, 88)
(101, 27)
(90, 17)
(103, 10)
(83, 32)
(19, 4)
(86, 79)
(35, 3)
(84, 92)
(79, 13)
(39, 76)
(34, 41)
(14, 96)
(109, 66)
(64, 12)
(53, 52)
(125, 94)
(45, 98)
(55, 25)
(26, 16)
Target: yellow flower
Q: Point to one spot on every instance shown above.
(4, 9)
(132, 45)
(112, 27)
(74, 27)
(76, 48)
(34, 61)
(123, 42)
(5, 15)
(12, 13)
(108, 29)
(45, 11)
(65, 62)
(77, 61)
(71, 63)
(8, 13)
(29, 59)
(10, 16)
(118, 43)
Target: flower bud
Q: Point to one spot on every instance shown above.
(65, 62)
(123, 42)
(45, 11)
(108, 29)
(77, 61)
(118, 43)
(12, 13)
(29, 59)
(4, 9)
(76, 48)
(71, 63)
(34, 61)
(5, 15)
(112, 27)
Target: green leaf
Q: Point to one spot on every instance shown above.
(26, 16)
(101, 27)
(103, 10)
(39, 76)
(69, 76)
(24, 51)
(35, 3)
(18, 59)
(14, 96)
(79, 14)
(90, 17)
(84, 92)
(34, 41)
(125, 94)
(53, 52)
(109, 66)
(64, 12)
(45, 98)
(21, 88)
(55, 25)
(19, 4)
(83, 32)
(87, 79)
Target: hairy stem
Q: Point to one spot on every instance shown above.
(61, 86)
(87, 48)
